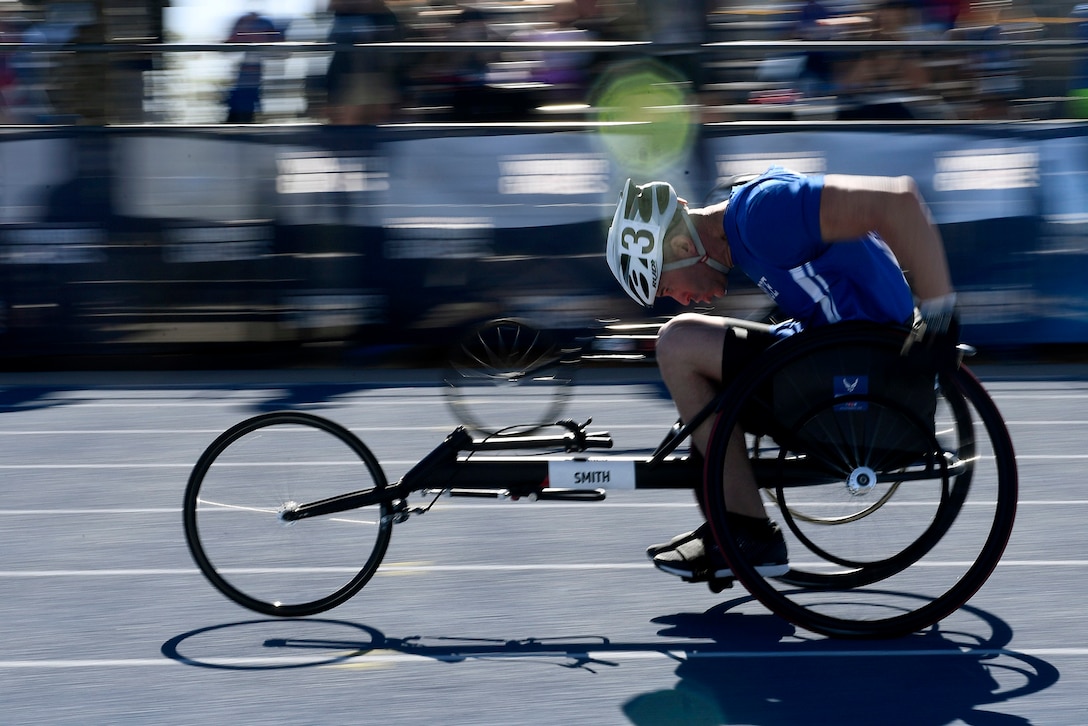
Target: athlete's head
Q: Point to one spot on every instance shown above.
(646, 218)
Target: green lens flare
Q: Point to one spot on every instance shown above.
(654, 114)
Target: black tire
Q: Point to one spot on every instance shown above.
(252, 473)
(504, 366)
(905, 525)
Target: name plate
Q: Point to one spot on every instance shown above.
(602, 473)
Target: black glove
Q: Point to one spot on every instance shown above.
(933, 341)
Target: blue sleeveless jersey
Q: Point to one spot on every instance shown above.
(773, 227)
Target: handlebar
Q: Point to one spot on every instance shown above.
(573, 438)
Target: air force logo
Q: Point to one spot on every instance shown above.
(851, 386)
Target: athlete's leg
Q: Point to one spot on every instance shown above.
(691, 354)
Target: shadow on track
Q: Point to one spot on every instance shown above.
(769, 674)
(732, 667)
(32, 398)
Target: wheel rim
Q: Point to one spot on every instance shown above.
(938, 585)
(233, 517)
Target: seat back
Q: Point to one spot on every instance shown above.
(873, 387)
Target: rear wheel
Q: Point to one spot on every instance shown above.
(234, 518)
(915, 492)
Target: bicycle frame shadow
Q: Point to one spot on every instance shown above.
(300, 651)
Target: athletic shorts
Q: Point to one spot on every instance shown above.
(744, 342)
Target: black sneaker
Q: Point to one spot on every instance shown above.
(654, 550)
(695, 562)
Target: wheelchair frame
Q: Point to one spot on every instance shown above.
(469, 466)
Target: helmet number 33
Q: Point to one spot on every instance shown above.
(642, 238)
(637, 261)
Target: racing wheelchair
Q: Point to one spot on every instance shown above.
(895, 481)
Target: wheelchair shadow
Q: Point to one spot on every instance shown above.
(773, 674)
(732, 667)
(261, 645)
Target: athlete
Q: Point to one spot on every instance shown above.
(825, 249)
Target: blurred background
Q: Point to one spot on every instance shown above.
(357, 181)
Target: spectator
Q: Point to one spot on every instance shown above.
(36, 94)
(563, 73)
(994, 75)
(363, 86)
(943, 15)
(615, 20)
(817, 76)
(1079, 82)
(8, 88)
(465, 72)
(79, 86)
(678, 28)
(244, 99)
(885, 84)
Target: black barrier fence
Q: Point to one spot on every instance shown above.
(130, 241)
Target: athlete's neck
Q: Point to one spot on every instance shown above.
(710, 224)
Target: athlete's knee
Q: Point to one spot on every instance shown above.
(679, 334)
(688, 341)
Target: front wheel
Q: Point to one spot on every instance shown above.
(235, 503)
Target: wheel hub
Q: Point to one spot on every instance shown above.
(283, 513)
(861, 481)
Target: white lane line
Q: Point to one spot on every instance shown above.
(668, 651)
(137, 465)
(416, 428)
(395, 568)
(490, 507)
(409, 397)
(443, 428)
(392, 462)
(1055, 422)
(172, 511)
(28, 467)
(216, 432)
(326, 406)
(145, 572)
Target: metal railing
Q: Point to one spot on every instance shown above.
(187, 83)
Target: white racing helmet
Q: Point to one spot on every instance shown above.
(636, 239)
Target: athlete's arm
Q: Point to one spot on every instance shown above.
(853, 206)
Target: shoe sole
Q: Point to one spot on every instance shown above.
(687, 576)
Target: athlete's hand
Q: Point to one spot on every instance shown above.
(933, 341)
